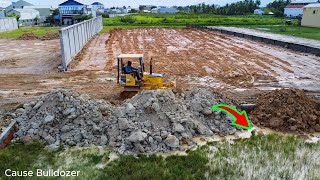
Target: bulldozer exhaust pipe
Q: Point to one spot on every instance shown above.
(150, 65)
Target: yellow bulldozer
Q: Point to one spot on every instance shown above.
(135, 79)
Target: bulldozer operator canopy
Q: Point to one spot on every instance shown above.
(130, 56)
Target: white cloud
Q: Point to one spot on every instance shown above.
(5, 3)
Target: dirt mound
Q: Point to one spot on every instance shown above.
(287, 110)
(50, 36)
(28, 36)
(47, 36)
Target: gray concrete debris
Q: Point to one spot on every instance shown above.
(150, 122)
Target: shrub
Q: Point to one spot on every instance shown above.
(128, 19)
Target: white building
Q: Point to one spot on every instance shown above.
(164, 10)
(311, 15)
(2, 12)
(92, 11)
(295, 8)
(27, 16)
(17, 5)
(98, 7)
(28, 12)
(258, 12)
(44, 11)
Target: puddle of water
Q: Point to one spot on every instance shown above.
(50, 82)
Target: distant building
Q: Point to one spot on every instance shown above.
(155, 10)
(27, 16)
(147, 7)
(98, 7)
(44, 11)
(258, 12)
(311, 15)
(69, 9)
(17, 5)
(164, 10)
(92, 11)
(28, 12)
(115, 11)
(270, 13)
(2, 12)
(295, 8)
(107, 10)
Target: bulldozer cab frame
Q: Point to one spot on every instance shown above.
(120, 59)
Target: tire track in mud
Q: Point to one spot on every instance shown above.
(229, 70)
(255, 63)
(196, 53)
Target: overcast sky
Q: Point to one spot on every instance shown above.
(133, 3)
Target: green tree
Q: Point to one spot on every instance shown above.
(277, 7)
(36, 20)
(51, 17)
(14, 15)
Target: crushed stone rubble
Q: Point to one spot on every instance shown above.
(150, 122)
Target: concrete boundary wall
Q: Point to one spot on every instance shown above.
(296, 46)
(74, 38)
(8, 24)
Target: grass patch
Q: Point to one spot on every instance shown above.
(304, 32)
(21, 157)
(266, 157)
(267, 23)
(38, 31)
(192, 166)
(89, 161)
(183, 19)
(109, 28)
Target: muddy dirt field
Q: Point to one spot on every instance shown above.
(192, 58)
(207, 58)
(29, 56)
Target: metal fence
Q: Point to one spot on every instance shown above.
(73, 38)
(8, 24)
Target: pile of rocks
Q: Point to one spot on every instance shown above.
(64, 118)
(150, 122)
(199, 102)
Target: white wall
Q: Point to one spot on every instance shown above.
(2, 14)
(8, 24)
(29, 15)
(73, 38)
(294, 12)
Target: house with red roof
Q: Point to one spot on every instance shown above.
(295, 8)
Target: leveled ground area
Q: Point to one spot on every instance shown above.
(29, 56)
(192, 58)
(161, 121)
(211, 59)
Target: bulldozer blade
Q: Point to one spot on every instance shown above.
(127, 94)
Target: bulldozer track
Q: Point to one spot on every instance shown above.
(240, 97)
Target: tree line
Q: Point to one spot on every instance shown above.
(237, 8)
